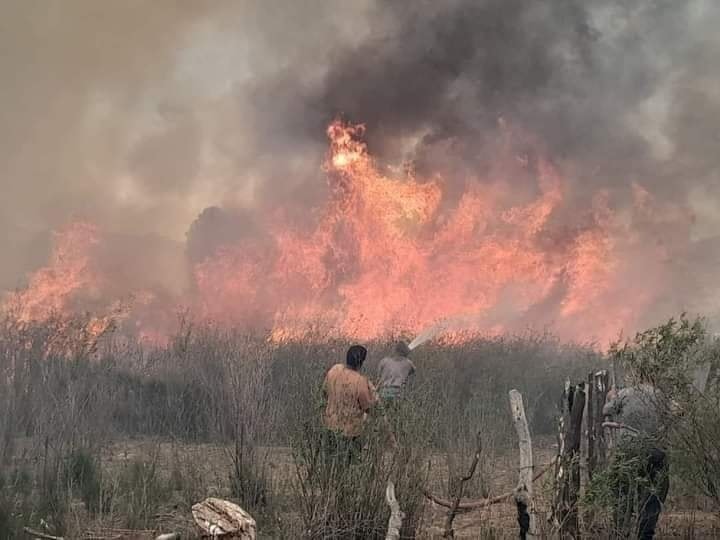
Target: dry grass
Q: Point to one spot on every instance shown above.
(106, 436)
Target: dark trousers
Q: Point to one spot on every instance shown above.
(653, 492)
(341, 449)
(650, 489)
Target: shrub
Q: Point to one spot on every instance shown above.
(82, 473)
(670, 357)
(341, 489)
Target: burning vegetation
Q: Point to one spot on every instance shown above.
(387, 252)
(203, 209)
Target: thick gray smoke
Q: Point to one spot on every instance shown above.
(165, 120)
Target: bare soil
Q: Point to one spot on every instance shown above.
(684, 517)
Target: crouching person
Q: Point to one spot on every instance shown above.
(349, 398)
(640, 462)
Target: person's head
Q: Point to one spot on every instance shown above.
(355, 357)
(402, 349)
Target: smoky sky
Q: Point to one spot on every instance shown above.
(171, 122)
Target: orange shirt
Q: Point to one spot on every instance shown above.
(349, 397)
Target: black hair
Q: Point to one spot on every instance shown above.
(402, 349)
(356, 356)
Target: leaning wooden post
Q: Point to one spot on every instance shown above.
(524, 490)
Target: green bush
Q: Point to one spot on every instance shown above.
(669, 357)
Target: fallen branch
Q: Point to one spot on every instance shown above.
(482, 503)
(618, 425)
(38, 534)
(448, 533)
(396, 515)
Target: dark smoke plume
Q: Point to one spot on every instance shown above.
(179, 122)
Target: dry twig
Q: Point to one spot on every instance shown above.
(37, 534)
(477, 504)
(448, 533)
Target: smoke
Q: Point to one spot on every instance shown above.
(177, 126)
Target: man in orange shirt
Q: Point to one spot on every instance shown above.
(350, 396)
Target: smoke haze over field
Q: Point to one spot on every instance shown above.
(180, 129)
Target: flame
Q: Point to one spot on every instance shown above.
(52, 288)
(391, 253)
(386, 256)
(58, 294)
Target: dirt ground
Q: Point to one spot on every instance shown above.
(684, 517)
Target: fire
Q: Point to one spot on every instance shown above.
(72, 283)
(388, 253)
(53, 288)
(387, 256)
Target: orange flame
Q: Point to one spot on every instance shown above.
(386, 256)
(52, 289)
(392, 254)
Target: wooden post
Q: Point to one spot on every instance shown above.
(565, 512)
(597, 389)
(560, 466)
(590, 426)
(574, 441)
(524, 490)
(601, 381)
(396, 515)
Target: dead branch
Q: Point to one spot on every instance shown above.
(119, 534)
(396, 515)
(37, 534)
(449, 533)
(618, 425)
(477, 504)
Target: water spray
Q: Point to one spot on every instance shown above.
(457, 322)
(428, 334)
